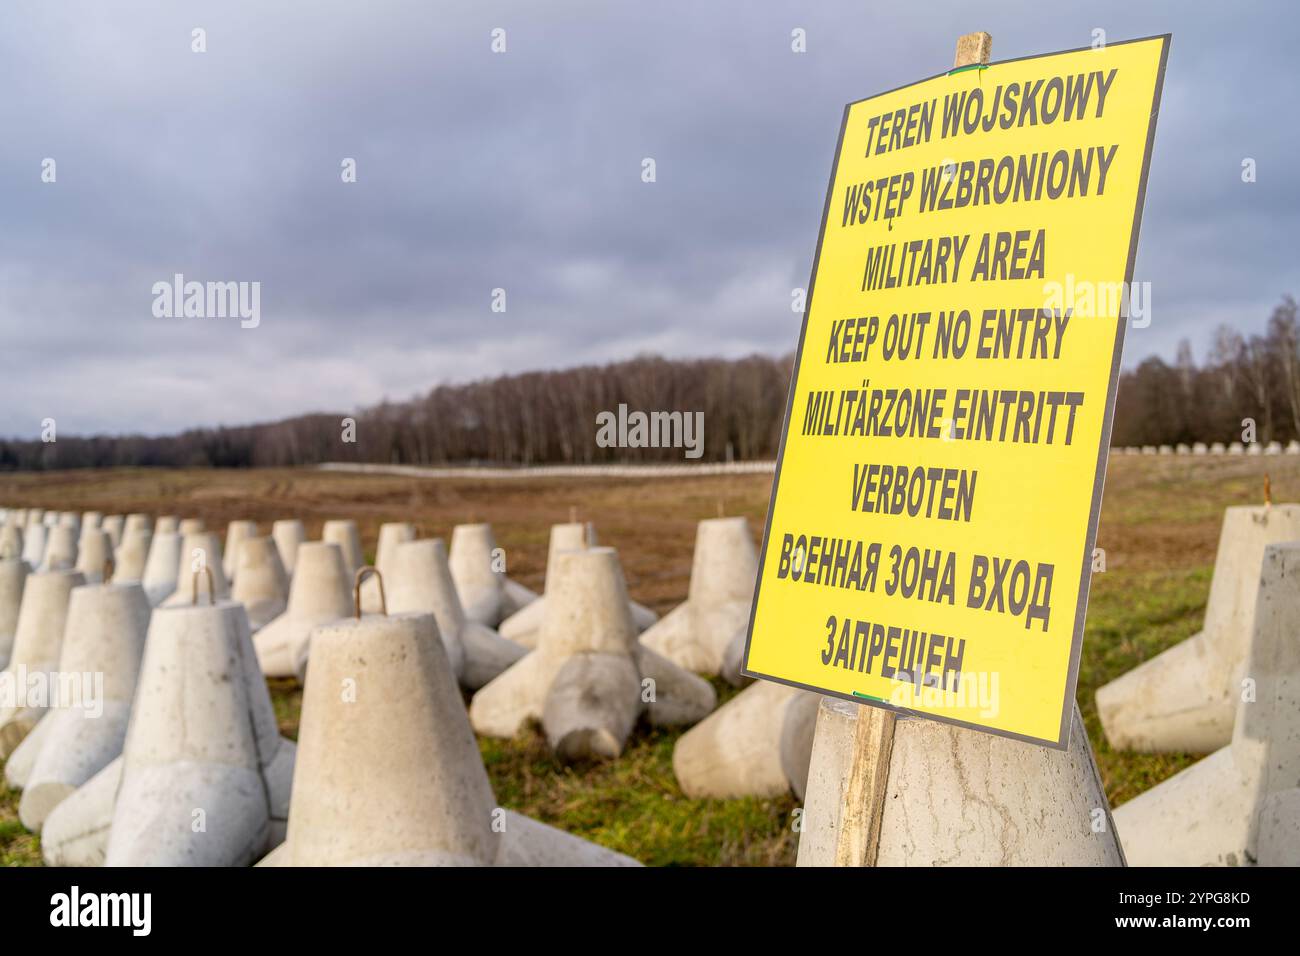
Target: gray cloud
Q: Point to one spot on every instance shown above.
(521, 171)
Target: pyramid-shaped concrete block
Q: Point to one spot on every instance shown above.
(168, 524)
(137, 521)
(191, 526)
(94, 555)
(420, 581)
(204, 769)
(949, 796)
(163, 566)
(237, 532)
(35, 537)
(60, 548)
(488, 596)
(103, 645)
(344, 534)
(132, 556)
(320, 593)
(261, 584)
(1240, 805)
(757, 744)
(524, 626)
(76, 831)
(113, 526)
(11, 542)
(695, 635)
(18, 767)
(388, 770)
(13, 576)
(288, 533)
(199, 574)
(38, 643)
(1184, 699)
(391, 534)
(587, 679)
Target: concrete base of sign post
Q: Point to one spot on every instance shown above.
(13, 576)
(38, 642)
(320, 593)
(756, 745)
(1185, 698)
(162, 566)
(524, 626)
(695, 634)
(591, 710)
(1241, 804)
(288, 533)
(488, 596)
(261, 584)
(887, 791)
(204, 769)
(391, 535)
(105, 636)
(392, 775)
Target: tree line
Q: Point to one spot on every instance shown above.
(550, 417)
(526, 419)
(1244, 380)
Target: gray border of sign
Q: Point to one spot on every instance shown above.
(1076, 648)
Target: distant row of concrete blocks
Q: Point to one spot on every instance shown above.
(1218, 448)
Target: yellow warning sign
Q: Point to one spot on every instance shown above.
(933, 520)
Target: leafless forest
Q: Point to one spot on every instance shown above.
(550, 417)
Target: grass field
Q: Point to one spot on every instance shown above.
(1159, 529)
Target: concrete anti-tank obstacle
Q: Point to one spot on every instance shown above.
(907, 791)
(132, 556)
(419, 580)
(1241, 804)
(758, 744)
(76, 831)
(18, 766)
(38, 642)
(191, 526)
(60, 549)
(162, 568)
(13, 575)
(168, 524)
(1184, 699)
(260, 582)
(236, 533)
(51, 518)
(113, 526)
(11, 541)
(733, 660)
(105, 637)
(587, 707)
(391, 534)
(91, 519)
(136, 521)
(344, 534)
(94, 555)
(390, 774)
(319, 594)
(199, 551)
(205, 774)
(35, 537)
(288, 533)
(487, 594)
(524, 626)
(695, 635)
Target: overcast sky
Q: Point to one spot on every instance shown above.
(522, 171)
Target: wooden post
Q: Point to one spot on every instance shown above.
(856, 837)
